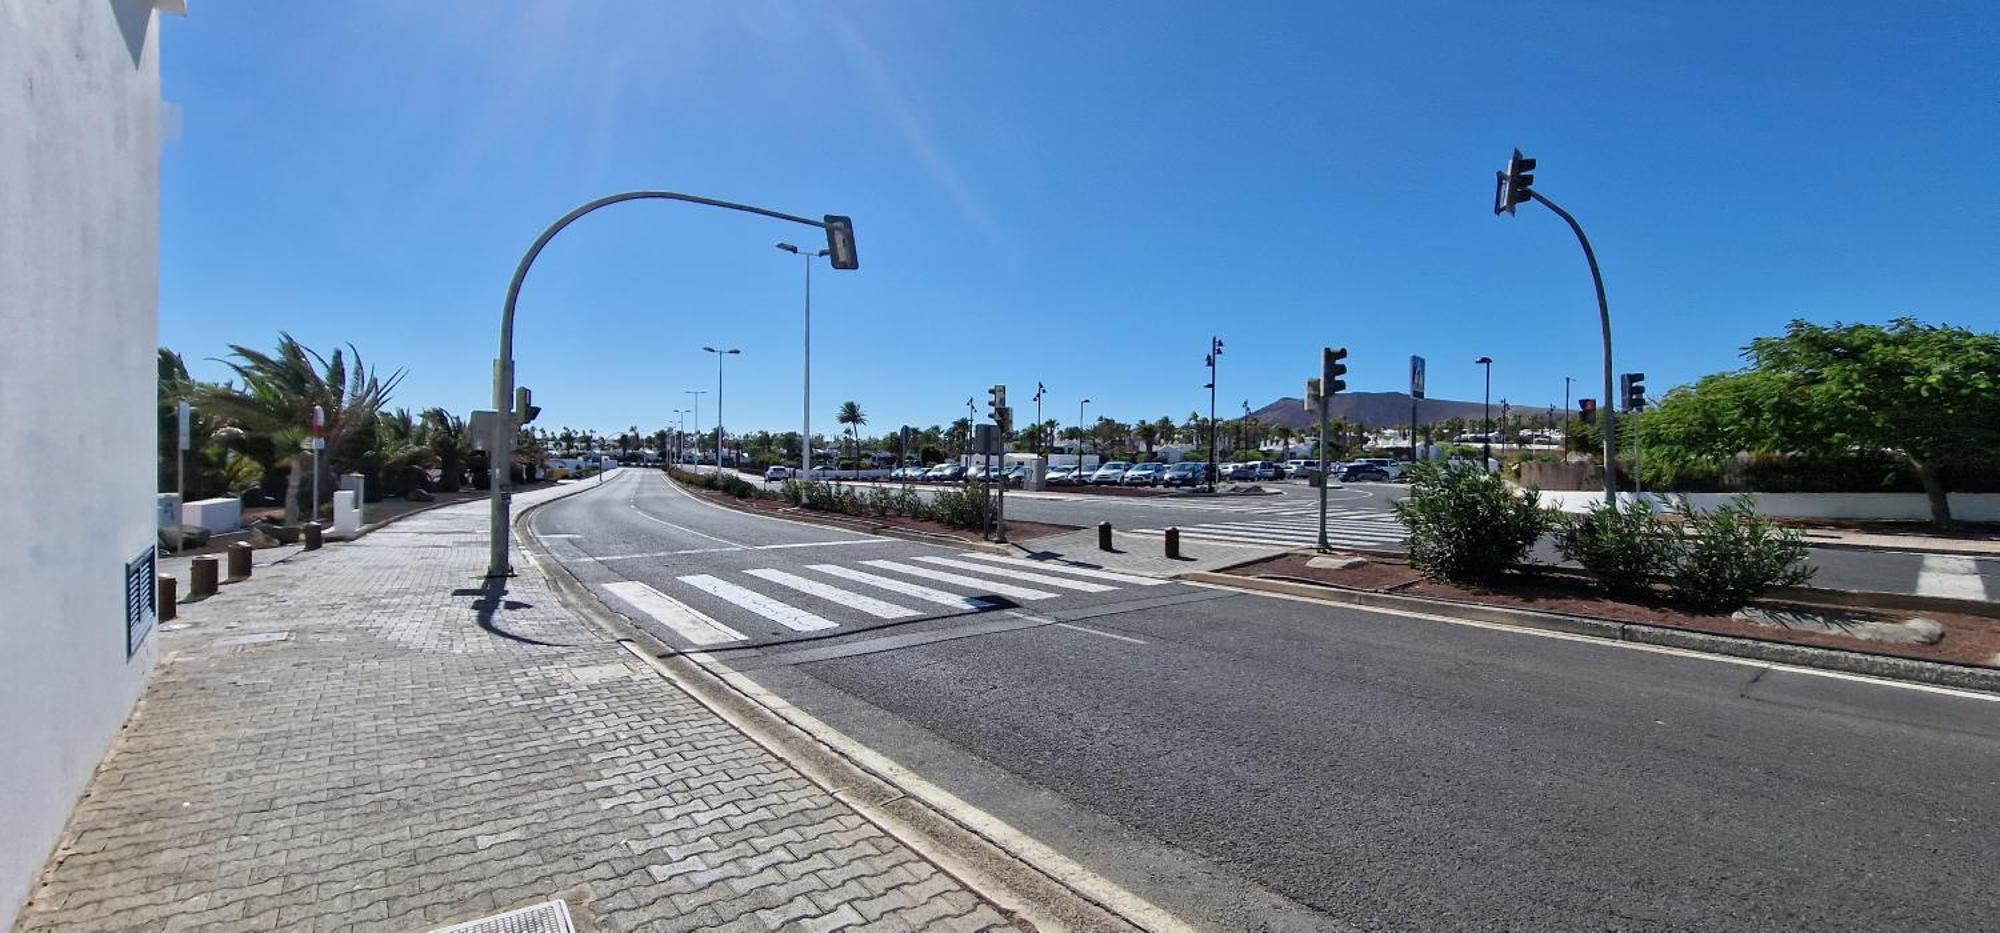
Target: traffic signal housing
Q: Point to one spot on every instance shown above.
(840, 242)
(1586, 408)
(525, 410)
(1632, 386)
(1332, 369)
(1516, 184)
(996, 399)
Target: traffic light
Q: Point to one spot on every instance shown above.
(840, 242)
(1331, 369)
(1586, 408)
(996, 399)
(1516, 185)
(1633, 387)
(525, 410)
(1313, 397)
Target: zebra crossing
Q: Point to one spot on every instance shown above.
(1299, 527)
(815, 598)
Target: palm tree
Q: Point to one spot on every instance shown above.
(852, 416)
(451, 443)
(1148, 434)
(278, 395)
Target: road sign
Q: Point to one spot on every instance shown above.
(486, 427)
(1416, 376)
(181, 413)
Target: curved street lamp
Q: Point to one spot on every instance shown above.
(806, 457)
(719, 354)
(840, 246)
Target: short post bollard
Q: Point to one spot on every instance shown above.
(1104, 536)
(313, 535)
(167, 591)
(239, 561)
(1173, 544)
(201, 577)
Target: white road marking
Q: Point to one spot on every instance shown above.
(1622, 645)
(779, 547)
(942, 598)
(698, 534)
(988, 586)
(1039, 578)
(550, 537)
(684, 620)
(1093, 631)
(868, 604)
(1950, 577)
(791, 617)
(1092, 572)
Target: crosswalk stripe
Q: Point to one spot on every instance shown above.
(1001, 589)
(1079, 571)
(1038, 578)
(1363, 531)
(1293, 533)
(893, 585)
(681, 618)
(791, 617)
(875, 607)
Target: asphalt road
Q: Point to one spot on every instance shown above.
(1247, 761)
(1360, 517)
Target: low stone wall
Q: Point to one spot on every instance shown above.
(216, 515)
(1865, 506)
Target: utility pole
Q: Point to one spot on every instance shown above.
(1332, 367)
(1486, 440)
(697, 393)
(1041, 450)
(1081, 433)
(1416, 393)
(1214, 350)
(805, 455)
(184, 432)
(318, 443)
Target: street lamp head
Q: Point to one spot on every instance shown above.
(1483, 361)
(787, 247)
(732, 351)
(709, 349)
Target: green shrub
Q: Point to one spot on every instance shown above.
(1625, 549)
(965, 507)
(1465, 525)
(1725, 557)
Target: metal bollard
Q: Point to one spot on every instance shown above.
(239, 561)
(313, 535)
(166, 592)
(1173, 544)
(201, 577)
(1104, 536)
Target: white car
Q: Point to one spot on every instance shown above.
(1110, 474)
(777, 474)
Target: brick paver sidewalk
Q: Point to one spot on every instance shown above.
(364, 737)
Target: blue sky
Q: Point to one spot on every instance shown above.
(1079, 194)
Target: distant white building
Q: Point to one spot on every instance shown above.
(79, 281)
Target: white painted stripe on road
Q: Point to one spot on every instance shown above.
(791, 617)
(1092, 572)
(875, 607)
(680, 618)
(779, 547)
(1039, 578)
(1092, 631)
(698, 534)
(893, 585)
(985, 586)
(1951, 578)
(1620, 645)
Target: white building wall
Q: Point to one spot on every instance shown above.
(79, 273)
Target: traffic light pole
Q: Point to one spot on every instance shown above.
(1606, 420)
(503, 367)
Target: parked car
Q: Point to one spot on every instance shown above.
(1362, 471)
(945, 473)
(822, 473)
(777, 474)
(1260, 471)
(1235, 472)
(1110, 473)
(1015, 475)
(1190, 473)
(1060, 475)
(1144, 474)
(1388, 466)
(1298, 469)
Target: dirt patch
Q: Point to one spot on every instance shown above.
(1016, 530)
(1968, 639)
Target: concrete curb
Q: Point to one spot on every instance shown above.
(1837, 545)
(1893, 668)
(1027, 892)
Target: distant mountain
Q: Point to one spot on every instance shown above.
(1372, 409)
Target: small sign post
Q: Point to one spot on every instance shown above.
(318, 444)
(183, 415)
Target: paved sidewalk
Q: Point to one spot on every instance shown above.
(1921, 543)
(366, 737)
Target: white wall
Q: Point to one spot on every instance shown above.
(1871, 506)
(79, 272)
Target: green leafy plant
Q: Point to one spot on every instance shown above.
(1626, 549)
(1724, 557)
(1466, 525)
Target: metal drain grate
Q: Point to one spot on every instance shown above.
(552, 917)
